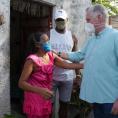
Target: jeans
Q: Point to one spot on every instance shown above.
(103, 110)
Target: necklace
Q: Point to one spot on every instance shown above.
(45, 59)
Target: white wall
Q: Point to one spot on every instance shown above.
(4, 60)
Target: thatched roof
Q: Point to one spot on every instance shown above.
(31, 7)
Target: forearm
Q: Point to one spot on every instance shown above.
(44, 92)
(73, 66)
(28, 87)
(67, 65)
(72, 56)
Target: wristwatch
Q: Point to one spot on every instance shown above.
(59, 54)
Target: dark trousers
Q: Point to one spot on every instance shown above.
(63, 109)
(103, 110)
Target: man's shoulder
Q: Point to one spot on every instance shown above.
(52, 29)
(115, 30)
(112, 30)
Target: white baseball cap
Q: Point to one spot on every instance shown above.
(60, 13)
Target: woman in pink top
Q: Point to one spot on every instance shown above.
(36, 78)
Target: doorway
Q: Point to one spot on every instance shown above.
(27, 17)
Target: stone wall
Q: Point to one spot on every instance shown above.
(76, 13)
(4, 60)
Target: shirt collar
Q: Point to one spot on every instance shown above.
(103, 31)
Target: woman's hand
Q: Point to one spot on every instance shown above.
(46, 93)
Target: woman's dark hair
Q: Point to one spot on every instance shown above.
(32, 40)
(37, 37)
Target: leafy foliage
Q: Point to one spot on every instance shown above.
(13, 115)
(111, 5)
(9, 116)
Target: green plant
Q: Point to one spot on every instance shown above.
(9, 116)
(111, 5)
(14, 115)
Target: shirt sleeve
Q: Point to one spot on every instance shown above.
(78, 55)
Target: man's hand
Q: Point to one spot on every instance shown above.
(115, 108)
(76, 83)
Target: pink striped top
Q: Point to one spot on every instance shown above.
(35, 104)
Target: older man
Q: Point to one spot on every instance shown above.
(100, 77)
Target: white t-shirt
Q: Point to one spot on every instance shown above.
(62, 43)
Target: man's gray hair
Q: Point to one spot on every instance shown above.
(98, 9)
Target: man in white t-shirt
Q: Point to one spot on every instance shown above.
(63, 41)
